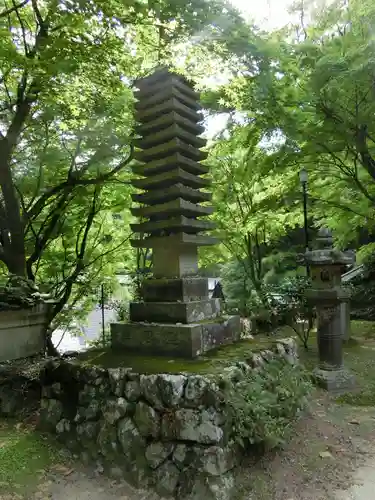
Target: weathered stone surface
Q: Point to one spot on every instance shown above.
(51, 411)
(117, 380)
(195, 390)
(257, 361)
(217, 460)
(150, 390)
(175, 312)
(91, 412)
(147, 420)
(107, 440)
(87, 431)
(132, 443)
(157, 453)
(172, 290)
(116, 409)
(133, 390)
(91, 392)
(192, 425)
(199, 486)
(63, 426)
(171, 389)
(167, 476)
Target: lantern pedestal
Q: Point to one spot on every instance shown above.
(335, 381)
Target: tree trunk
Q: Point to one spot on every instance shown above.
(14, 248)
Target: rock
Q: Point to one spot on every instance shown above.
(184, 456)
(167, 476)
(290, 346)
(147, 420)
(200, 391)
(51, 411)
(195, 390)
(150, 390)
(157, 453)
(192, 425)
(91, 392)
(96, 375)
(279, 349)
(179, 455)
(256, 361)
(132, 443)
(117, 380)
(171, 389)
(132, 390)
(91, 412)
(267, 355)
(216, 460)
(107, 440)
(63, 426)
(193, 486)
(87, 432)
(116, 409)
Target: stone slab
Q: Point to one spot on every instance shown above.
(179, 239)
(162, 76)
(155, 138)
(173, 104)
(178, 224)
(171, 193)
(172, 208)
(22, 332)
(175, 145)
(175, 312)
(172, 290)
(334, 381)
(188, 341)
(170, 163)
(171, 178)
(147, 100)
(165, 121)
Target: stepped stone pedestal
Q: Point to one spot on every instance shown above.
(177, 316)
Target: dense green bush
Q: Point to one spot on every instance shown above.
(265, 402)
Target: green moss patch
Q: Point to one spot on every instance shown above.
(25, 455)
(212, 362)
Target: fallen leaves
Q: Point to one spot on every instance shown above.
(325, 454)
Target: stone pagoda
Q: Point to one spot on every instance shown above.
(328, 295)
(176, 317)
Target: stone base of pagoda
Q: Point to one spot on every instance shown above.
(177, 340)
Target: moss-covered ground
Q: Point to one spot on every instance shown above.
(212, 362)
(25, 456)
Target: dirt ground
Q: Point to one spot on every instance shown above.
(331, 456)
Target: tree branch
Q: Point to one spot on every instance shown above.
(15, 7)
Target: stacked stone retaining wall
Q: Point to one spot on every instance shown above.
(167, 432)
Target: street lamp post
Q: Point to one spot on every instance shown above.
(303, 177)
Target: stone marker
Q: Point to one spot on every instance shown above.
(177, 316)
(327, 295)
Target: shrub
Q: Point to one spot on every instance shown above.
(288, 302)
(18, 293)
(264, 403)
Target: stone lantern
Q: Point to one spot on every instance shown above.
(328, 295)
